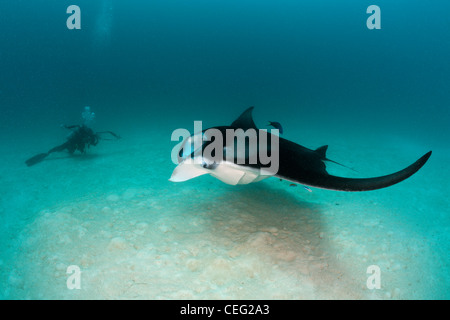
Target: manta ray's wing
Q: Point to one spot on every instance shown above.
(304, 166)
(349, 184)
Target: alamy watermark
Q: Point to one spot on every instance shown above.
(374, 20)
(74, 280)
(74, 20)
(211, 147)
(374, 280)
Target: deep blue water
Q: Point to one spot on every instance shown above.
(313, 58)
(166, 63)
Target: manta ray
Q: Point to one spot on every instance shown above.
(296, 163)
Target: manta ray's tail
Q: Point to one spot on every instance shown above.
(350, 184)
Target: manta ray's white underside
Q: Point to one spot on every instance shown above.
(226, 172)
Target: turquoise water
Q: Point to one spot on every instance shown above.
(378, 98)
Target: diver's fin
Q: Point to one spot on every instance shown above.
(36, 159)
(245, 120)
(39, 157)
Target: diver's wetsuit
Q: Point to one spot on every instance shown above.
(81, 137)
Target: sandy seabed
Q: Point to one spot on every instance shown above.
(135, 235)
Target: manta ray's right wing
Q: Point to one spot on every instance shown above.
(321, 179)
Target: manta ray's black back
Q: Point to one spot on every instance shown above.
(306, 166)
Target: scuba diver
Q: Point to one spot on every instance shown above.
(81, 138)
